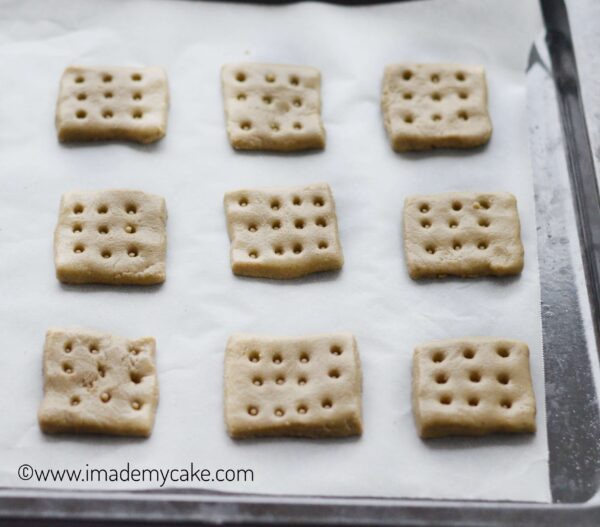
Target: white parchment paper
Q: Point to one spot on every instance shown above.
(202, 303)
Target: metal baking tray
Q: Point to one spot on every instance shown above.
(573, 417)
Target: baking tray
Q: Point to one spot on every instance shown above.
(573, 420)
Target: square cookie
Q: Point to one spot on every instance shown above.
(462, 233)
(472, 386)
(111, 237)
(98, 383)
(273, 106)
(283, 232)
(435, 106)
(110, 102)
(292, 386)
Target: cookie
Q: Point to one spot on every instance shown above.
(472, 386)
(292, 386)
(462, 233)
(109, 102)
(111, 237)
(273, 107)
(435, 106)
(283, 232)
(98, 383)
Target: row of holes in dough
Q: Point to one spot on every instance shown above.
(473, 401)
(107, 77)
(104, 229)
(242, 76)
(457, 205)
(105, 397)
(135, 377)
(131, 251)
(453, 224)
(268, 99)
(130, 208)
(482, 245)
(275, 203)
(410, 117)
(95, 348)
(298, 224)
(82, 96)
(435, 77)
(108, 114)
(259, 381)
(275, 126)
(469, 353)
(435, 96)
(304, 357)
(327, 404)
(474, 376)
(279, 250)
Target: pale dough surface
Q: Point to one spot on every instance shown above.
(462, 233)
(435, 106)
(283, 232)
(98, 383)
(111, 237)
(472, 386)
(293, 386)
(273, 106)
(110, 102)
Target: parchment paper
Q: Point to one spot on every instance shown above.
(202, 303)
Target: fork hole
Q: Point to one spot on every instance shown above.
(503, 352)
(503, 378)
(438, 356)
(473, 401)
